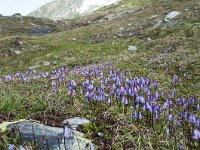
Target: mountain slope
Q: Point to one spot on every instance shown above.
(167, 52)
(67, 9)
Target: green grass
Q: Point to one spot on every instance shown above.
(152, 60)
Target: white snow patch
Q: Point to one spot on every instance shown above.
(100, 3)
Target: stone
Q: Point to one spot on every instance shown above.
(121, 28)
(172, 23)
(120, 35)
(154, 16)
(49, 137)
(132, 48)
(17, 15)
(149, 39)
(171, 15)
(46, 63)
(34, 67)
(130, 34)
(73, 39)
(76, 121)
(54, 62)
(109, 17)
(158, 24)
(49, 55)
(18, 52)
(63, 52)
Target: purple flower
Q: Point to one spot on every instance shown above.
(109, 101)
(148, 106)
(156, 95)
(172, 93)
(88, 94)
(170, 117)
(180, 100)
(66, 133)
(141, 99)
(54, 90)
(124, 100)
(137, 115)
(167, 103)
(196, 134)
(8, 77)
(185, 105)
(21, 147)
(197, 123)
(73, 83)
(198, 106)
(61, 79)
(11, 147)
(167, 130)
(53, 83)
(73, 92)
(192, 100)
(155, 116)
(191, 118)
(113, 86)
(178, 122)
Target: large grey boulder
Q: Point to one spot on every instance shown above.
(171, 15)
(49, 137)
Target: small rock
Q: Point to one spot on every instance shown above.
(20, 42)
(130, 24)
(172, 23)
(130, 34)
(17, 16)
(158, 24)
(34, 67)
(149, 39)
(49, 55)
(54, 62)
(74, 122)
(171, 15)
(154, 16)
(120, 35)
(132, 48)
(18, 52)
(46, 63)
(121, 28)
(110, 17)
(63, 52)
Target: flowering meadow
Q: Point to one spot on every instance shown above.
(126, 111)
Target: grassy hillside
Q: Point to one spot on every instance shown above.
(167, 54)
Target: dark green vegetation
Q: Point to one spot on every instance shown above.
(164, 53)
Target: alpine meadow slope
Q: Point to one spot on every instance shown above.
(131, 68)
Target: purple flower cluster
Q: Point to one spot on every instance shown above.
(136, 96)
